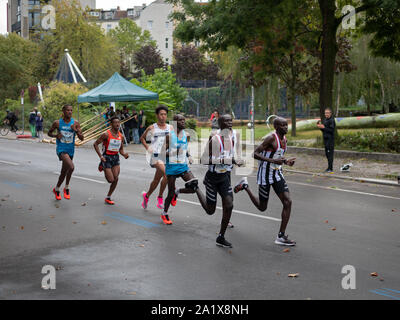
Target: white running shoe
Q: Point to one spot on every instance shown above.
(284, 241)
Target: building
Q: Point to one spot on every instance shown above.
(154, 18)
(24, 16)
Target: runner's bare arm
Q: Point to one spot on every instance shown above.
(100, 140)
(55, 126)
(268, 143)
(122, 152)
(77, 128)
(212, 145)
(144, 136)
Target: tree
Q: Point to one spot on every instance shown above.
(17, 65)
(190, 64)
(147, 58)
(94, 53)
(130, 38)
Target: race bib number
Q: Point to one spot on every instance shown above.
(67, 136)
(158, 144)
(221, 168)
(278, 155)
(114, 145)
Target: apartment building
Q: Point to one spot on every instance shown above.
(24, 16)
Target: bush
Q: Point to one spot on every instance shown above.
(364, 141)
(191, 124)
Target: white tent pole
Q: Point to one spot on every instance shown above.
(70, 67)
(76, 68)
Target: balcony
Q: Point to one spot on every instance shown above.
(15, 27)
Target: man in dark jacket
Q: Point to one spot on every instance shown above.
(328, 132)
(11, 118)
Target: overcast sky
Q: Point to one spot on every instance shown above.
(102, 4)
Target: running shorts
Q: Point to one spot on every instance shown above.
(112, 160)
(278, 186)
(61, 153)
(217, 183)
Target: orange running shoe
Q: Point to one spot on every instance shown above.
(66, 194)
(173, 201)
(165, 219)
(57, 194)
(109, 201)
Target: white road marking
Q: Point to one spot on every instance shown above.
(343, 190)
(83, 178)
(237, 211)
(11, 163)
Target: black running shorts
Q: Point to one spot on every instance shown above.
(217, 183)
(112, 160)
(61, 153)
(278, 186)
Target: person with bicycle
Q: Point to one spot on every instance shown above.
(11, 119)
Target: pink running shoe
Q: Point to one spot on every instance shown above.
(160, 203)
(145, 200)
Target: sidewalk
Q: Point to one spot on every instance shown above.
(363, 170)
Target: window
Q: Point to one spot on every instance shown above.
(150, 24)
(167, 25)
(130, 12)
(19, 18)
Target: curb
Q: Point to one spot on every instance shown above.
(362, 180)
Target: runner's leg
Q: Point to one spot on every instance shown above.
(171, 191)
(287, 207)
(157, 177)
(227, 207)
(260, 202)
(112, 178)
(67, 166)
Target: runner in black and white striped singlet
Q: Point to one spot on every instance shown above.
(270, 155)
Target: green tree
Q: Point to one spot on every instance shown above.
(130, 38)
(148, 59)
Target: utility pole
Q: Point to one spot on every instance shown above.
(252, 115)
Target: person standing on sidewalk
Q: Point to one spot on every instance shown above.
(135, 127)
(142, 122)
(328, 132)
(39, 126)
(32, 122)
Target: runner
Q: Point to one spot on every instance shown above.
(67, 128)
(270, 155)
(157, 132)
(219, 155)
(178, 158)
(109, 159)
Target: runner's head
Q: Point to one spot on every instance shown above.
(162, 113)
(67, 111)
(180, 121)
(114, 121)
(281, 125)
(225, 122)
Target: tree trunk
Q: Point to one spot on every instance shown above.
(383, 93)
(329, 50)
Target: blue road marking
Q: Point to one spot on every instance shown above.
(139, 222)
(392, 290)
(13, 184)
(385, 293)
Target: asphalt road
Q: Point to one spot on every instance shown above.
(124, 252)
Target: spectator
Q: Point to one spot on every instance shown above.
(134, 127)
(125, 126)
(142, 122)
(328, 132)
(39, 126)
(214, 120)
(11, 119)
(32, 122)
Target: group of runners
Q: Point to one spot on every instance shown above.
(168, 153)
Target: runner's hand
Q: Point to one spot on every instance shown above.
(125, 155)
(59, 136)
(290, 162)
(103, 159)
(190, 160)
(150, 150)
(279, 161)
(239, 163)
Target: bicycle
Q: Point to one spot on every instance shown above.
(5, 129)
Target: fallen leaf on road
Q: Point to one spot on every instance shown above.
(57, 206)
(293, 275)
(132, 293)
(326, 221)
(44, 229)
(374, 274)
(286, 250)
(22, 227)
(394, 210)
(59, 268)
(52, 216)
(83, 204)
(104, 223)
(333, 228)
(74, 222)
(19, 207)
(142, 245)
(381, 279)
(30, 208)
(278, 273)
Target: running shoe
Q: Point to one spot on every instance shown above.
(160, 203)
(66, 194)
(221, 242)
(165, 219)
(192, 184)
(284, 241)
(173, 201)
(109, 201)
(57, 194)
(230, 225)
(241, 185)
(100, 167)
(145, 200)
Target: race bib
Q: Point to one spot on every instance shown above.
(278, 155)
(114, 145)
(67, 136)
